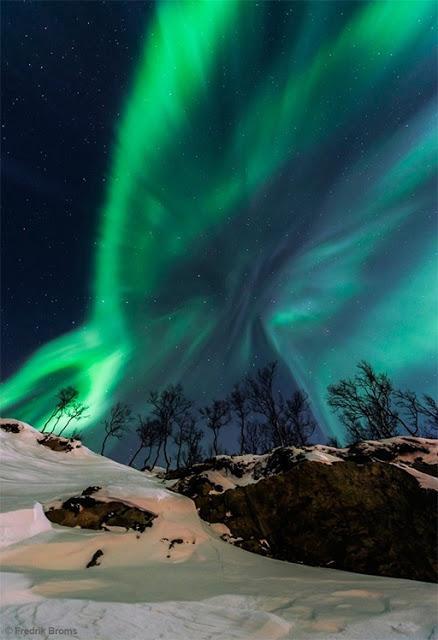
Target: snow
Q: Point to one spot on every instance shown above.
(147, 588)
(253, 467)
(430, 445)
(228, 472)
(21, 524)
(424, 479)
(323, 455)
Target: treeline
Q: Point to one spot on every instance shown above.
(173, 429)
(371, 408)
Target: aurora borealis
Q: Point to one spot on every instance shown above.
(271, 194)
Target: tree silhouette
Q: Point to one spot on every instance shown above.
(257, 437)
(192, 452)
(167, 407)
(370, 407)
(216, 416)
(117, 423)
(266, 402)
(299, 419)
(185, 428)
(64, 398)
(240, 406)
(148, 434)
(420, 413)
(74, 411)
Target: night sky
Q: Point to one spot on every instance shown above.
(190, 190)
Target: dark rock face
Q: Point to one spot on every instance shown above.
(90, 490)
(10, 427)
(373, 518)
(89, 513)
(59, 444)
(424, 467)
(94, 560)
(219, 462)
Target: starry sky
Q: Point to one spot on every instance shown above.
(192, 189)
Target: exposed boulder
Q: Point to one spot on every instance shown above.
(94, 560)
(359, 514)
(11, 427)
(56, 443)
(90, 513)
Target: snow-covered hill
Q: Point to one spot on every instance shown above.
(177, 579)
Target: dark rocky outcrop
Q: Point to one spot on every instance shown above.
(59, 444)
(90, 490)
(10, 427)
(94, 560)
(90, 513)
(361, 514)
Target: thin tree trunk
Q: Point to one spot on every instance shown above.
(131, 462)
(278, 432)
(157, 454)
(104, 443)
(166, 458)
(50, 418)
(56, 423)
(146, 459)
(242, 436)
(65, 426)
(178, 455)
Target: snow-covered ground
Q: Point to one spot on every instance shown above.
(146, 588)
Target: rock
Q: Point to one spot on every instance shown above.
(175, 541)
(89, 513)
(90, 490)
(418, 453)
(360, 514)
(58, 444)
(93, 562)
(424, 467)
(10, 427)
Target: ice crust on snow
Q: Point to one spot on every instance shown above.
(199, 589)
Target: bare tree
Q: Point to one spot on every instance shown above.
(300, 422)
(64, 398)
(117, 423)
(185, 427)
(430, 411)
(363, 404)
(266, 402)
(148, 434)
(192, 452)
(75, 411)
(240, 406)
(421, 413)
(168, 406)
(370, 407)
(216, 416)
(256, 437)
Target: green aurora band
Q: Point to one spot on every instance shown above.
(288, 195)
